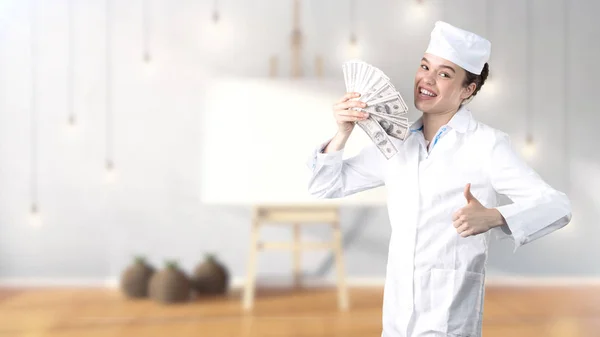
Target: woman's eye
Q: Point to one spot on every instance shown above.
(424, 66)
(444, 75)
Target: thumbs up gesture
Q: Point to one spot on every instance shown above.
(474, 218)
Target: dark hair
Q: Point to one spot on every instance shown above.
(479, 80)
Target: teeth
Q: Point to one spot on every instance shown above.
(428, 93)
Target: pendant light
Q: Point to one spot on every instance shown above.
(529, 148)
(566, 92)
(215, 15)
(34, 212)
(145, 33)
(71, 117)
(353, 41)
(109, 160)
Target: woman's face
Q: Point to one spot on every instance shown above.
(438, 86)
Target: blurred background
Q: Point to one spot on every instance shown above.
(118, 138)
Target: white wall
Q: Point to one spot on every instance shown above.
(91, 229)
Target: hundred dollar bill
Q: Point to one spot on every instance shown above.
(346, 78)
(375, 80)
(379, 136)
(392, 128)
(365, 97)
(376, 85)
(392, 118)
(372, 89)
(387, 90)
(392, 105)
(363, 77)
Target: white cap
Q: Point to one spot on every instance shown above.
(467, 50)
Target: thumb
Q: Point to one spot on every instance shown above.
(468, 194)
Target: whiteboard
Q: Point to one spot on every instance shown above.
(257, 136)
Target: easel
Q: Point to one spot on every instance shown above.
(296, 216)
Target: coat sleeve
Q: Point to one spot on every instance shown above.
(537, 209)
(334, 177)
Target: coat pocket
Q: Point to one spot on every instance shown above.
(457, 298)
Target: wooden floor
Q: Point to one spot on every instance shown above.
(547, 312)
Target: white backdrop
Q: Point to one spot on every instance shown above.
(257, 135)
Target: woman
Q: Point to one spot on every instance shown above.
(442, 188)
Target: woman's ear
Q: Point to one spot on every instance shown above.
(468, 91)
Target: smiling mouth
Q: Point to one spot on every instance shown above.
(426, 92)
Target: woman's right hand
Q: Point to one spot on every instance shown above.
(345, 116)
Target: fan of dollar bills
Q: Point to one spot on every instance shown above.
(384, 105)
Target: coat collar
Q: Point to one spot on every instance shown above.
(461, 121)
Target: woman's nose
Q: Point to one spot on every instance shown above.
(429, 80)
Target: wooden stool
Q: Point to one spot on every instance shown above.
(297, 216)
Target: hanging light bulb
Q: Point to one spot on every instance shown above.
(149, 64)
(353, 48)
(490, 87)
(217, 33)
(109, 165)
(417, 11)
(73, 130)
(215, 16)
(488, 31)
(529, 148)
(111, 175)
(70, 79)
(147, 57)
(34, 216)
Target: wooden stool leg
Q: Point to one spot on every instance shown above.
(297, 255)
(251, 274)
(339, 262)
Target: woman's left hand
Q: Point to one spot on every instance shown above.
(475, 218)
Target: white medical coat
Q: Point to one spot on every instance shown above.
(435, 278)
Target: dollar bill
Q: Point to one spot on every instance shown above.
(346, 77)
(365, 97)
(373, 87)
(394, 126)
(386, 91)
(391, 128)
(363, 77)
(376, 86)
(392, 118)
(379, 136)
(391, 105)
(373, 76)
